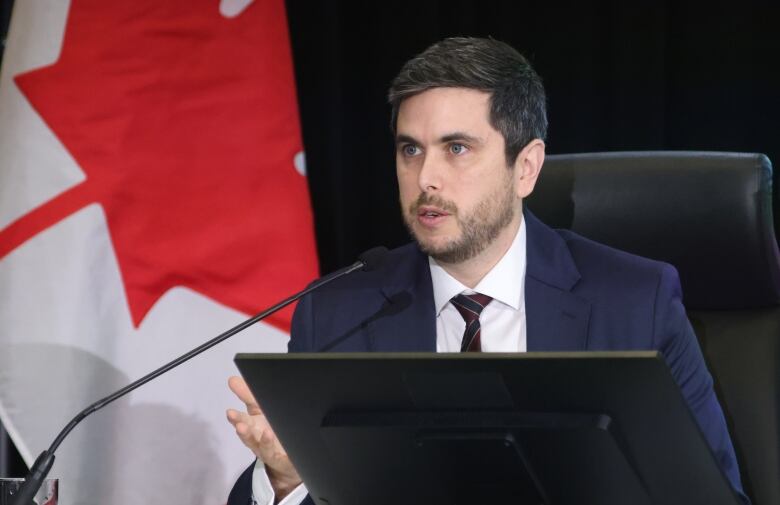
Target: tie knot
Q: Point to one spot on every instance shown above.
(470, 306)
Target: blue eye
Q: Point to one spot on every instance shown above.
(458, 149)
(410, 150)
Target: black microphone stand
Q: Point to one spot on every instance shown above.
(368, 261)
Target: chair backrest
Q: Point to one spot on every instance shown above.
(710, 215)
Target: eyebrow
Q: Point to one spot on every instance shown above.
(450, 137)
(462, 136)
(405, 139)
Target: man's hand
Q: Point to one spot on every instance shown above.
(254, 431)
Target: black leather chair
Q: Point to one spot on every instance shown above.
(710, 215)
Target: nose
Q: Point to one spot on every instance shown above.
(430, 176)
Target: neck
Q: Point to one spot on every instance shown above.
(473, 270)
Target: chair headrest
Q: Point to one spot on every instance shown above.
(709, 214)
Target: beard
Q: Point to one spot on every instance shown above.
(477, 230)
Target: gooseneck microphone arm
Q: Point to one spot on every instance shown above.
(369, 260)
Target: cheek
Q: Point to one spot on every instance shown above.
(407, 185)
(484, 191)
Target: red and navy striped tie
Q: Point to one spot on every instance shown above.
(470, 307)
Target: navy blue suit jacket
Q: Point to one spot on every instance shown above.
(579, 296)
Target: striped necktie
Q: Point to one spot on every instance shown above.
(470, 307)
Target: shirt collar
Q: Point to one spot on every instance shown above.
(505, 282)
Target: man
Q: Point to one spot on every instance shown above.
(469, 120)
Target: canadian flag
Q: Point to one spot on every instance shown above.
(152, 194)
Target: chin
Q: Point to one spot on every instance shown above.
(434, 243)
(440, 250)
(433, 240)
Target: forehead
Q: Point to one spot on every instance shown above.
(437, 111)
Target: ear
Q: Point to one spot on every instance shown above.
(527, 166)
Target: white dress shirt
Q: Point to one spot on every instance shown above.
(502, 322)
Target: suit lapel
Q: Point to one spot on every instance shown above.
(411, 321)
(556, 318)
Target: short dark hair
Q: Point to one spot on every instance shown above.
(518, 108)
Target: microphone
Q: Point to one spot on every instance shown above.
(368, 261)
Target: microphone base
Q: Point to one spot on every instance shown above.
(32, 483)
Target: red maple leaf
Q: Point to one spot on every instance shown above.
(186, 125)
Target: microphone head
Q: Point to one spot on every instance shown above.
(373, 258)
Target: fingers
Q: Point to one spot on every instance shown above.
(249, 429)
(256, 433)
(241, 390)
(236, 416)
(251, 426)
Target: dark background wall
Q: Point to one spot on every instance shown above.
(619, 76)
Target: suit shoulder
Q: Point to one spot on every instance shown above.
(601, 264)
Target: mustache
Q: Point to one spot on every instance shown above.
(433, 201)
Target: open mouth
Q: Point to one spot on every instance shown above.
(431, 216)
(431, 212)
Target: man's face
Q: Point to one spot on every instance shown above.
(457, 192)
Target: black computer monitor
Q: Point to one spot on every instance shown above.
(601, 428)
